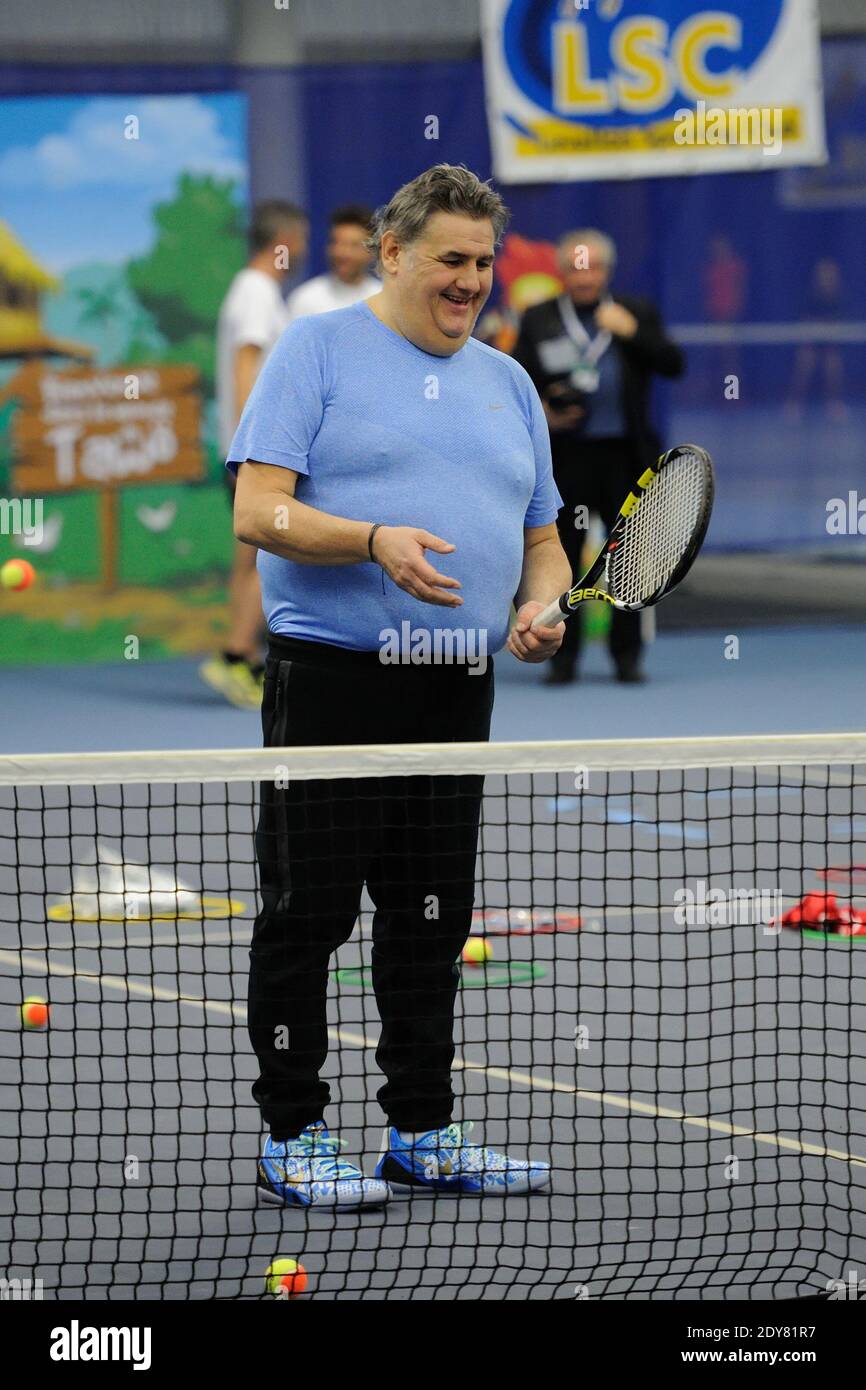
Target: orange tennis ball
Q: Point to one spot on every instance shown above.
(17, 574)
(285, 1278)
(477, 950)
(34, 1012)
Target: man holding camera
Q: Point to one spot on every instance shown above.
(591, 355)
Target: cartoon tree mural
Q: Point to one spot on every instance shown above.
(103, 305)
(182, 281)
(143, 338)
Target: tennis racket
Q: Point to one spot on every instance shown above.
(653, 542)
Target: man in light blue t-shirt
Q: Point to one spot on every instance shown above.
(395, 475)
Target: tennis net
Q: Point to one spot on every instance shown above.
(691, 1068)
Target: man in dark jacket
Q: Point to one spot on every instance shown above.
(591, 355)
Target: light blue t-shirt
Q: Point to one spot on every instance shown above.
(381, 431)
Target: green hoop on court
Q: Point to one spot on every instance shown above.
(496, 976)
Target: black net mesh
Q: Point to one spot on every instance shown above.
(691, 1069)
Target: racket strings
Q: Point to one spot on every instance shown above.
(659, 531)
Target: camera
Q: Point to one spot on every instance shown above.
(565, 396)
(562, 395)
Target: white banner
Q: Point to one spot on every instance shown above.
(607, 89)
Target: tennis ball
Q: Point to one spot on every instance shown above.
(17, 574)
(285, 1278)
(34, 1012)
(477, 950)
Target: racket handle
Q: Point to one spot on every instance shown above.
(551, 615)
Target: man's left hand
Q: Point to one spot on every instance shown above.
(616, 319)
(533, 644)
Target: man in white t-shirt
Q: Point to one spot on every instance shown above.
(348, 279)
(251, 319)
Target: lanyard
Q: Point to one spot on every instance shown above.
(591, 349)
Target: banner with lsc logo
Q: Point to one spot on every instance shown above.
(605, 89)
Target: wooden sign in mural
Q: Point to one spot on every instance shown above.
(85, 428)
(104, 429)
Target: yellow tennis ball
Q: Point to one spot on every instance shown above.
(285, 1278)
(477, 950)
(17, 574)
(34, 1012)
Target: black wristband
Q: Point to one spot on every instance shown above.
(373, 530)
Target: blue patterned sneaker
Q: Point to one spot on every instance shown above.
(442, 1161)
(308, 1172)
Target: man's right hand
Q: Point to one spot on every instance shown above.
(400, 552)
(562, 419)
(567, 419)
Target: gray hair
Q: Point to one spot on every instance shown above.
(582, 237)
(443, 188)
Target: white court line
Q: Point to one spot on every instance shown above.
(538, 1083)
(365, 925)
(593, 918)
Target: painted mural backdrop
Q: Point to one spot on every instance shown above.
(121, 226)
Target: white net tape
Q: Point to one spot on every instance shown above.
(659, 531)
